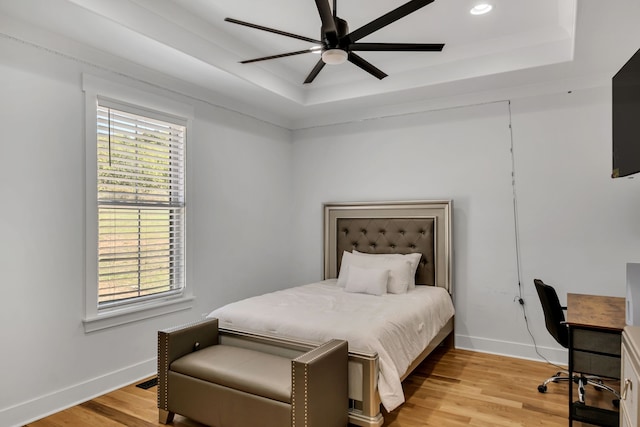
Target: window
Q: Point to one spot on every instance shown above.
(140, 162)
(135, 204)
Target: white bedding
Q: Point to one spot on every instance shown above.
(396, 326)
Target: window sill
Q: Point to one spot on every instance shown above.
(122, 316)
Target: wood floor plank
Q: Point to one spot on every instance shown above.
(452, 388)
(129, 404)
(115, 414)
(77, 416)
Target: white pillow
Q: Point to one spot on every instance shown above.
(371, 281)
(413, 258)
(399, 270)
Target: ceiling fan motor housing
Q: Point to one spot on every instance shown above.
(336, 53)
(343, 29)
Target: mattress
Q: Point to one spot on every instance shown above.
(396, 326)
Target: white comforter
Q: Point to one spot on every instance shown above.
(396, 326)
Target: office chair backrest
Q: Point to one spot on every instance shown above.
(553, 314)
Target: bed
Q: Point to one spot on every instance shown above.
(389, 334)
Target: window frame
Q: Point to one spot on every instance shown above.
(139, 102)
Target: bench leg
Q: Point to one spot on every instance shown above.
(165, 417)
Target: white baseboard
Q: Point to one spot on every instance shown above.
(557, 356)
(40, 407)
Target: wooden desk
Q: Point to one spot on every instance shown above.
(595, 342)
(594, 311)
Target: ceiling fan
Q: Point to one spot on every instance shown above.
(338, 45)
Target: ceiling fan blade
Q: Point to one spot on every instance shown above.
(387, 19)
(280, 55)
(404, 47)
(314, 73)
(271, 30)
(366, 66)
(328, 23)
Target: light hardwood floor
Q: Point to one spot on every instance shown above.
(451, 388)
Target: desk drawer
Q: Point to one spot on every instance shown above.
(596, 364)
(597, 341)
(629, 403)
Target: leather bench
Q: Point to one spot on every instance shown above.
(229, 386)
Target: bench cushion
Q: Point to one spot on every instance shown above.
(251, 371)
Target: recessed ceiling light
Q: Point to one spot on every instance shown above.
(481, 9)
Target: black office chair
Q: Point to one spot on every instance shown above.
(555, 322)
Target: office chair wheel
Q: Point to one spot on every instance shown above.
(542, 388)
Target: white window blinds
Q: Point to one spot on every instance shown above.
(141, 202)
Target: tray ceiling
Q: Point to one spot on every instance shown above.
(518, 43)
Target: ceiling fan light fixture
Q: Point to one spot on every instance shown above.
(481, 9)
(334, 56)
(316, 49)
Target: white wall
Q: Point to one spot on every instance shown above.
(577, 227)
(239, 198)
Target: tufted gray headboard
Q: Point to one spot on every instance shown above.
(392, 227)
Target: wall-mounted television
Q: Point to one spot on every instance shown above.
(626, 118)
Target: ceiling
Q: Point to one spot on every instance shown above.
(519, 44)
